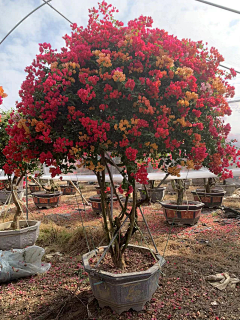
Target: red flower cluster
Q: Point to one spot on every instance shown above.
(132, 90)
(131, 154)
(141, 175)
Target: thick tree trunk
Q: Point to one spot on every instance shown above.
(180, 196)
(13, 186)
(209, 185)
(180, 191)
(15, 224)
(112, 226)
(119, 261)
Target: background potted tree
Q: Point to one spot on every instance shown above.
(154, 191)
(49, 197)
(18, 233)
(181, 212)
(68, 189)
(210, 196)
(5, 191)
(133, 92)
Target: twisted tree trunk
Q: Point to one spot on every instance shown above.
(15, 223)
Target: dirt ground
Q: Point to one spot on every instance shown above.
(192, 252)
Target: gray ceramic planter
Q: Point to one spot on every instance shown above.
(155, 194)
(4, 195)
(19, 239)
(122, 292)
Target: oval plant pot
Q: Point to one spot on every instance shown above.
(210, 200)
(155, 194)
(68, 190)
(46, 200)
(34, 188)
(4, 195)
(185, 214)
(123, 291)
(19, 239)
(96, 203)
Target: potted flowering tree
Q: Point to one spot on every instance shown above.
(18, 233)
(181, 212)
(48, 198)
(153, 191)
(5, 187)
(210, 196)
(131, 92)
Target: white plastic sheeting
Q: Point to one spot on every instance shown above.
(19, 263)
(86, 175)
(158, 175)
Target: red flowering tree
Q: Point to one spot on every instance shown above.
(132, 91)
(9, 120)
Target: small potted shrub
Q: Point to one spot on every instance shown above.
(210, 196)
(155, 193)
(95, 200)
(48, 198)
(132, 92)
(181, 212)
(68, 189)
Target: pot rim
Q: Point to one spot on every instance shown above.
(65, 185)
(7, 191)
(121, 276)
(97, 198)
(191, 205)
(159, 188)
(214, 192)
(42, 194)
(22, 230)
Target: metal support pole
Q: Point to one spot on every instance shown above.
(76, 188)
(26, 177)
(111, 171)
(218, 6)
(148, 230)
(24, 19)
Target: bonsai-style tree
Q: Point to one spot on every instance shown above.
(8, 119)
(133, 92)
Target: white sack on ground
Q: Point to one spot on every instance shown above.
(19, 263)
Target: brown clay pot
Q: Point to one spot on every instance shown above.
(210, 200)
(96, 203)
(68, 190)
(34, 188)
(46, 200)
(185, 214)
